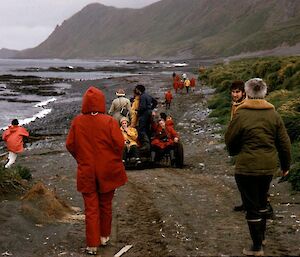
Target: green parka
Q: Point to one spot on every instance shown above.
(257, 136)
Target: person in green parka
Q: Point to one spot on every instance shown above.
(257, 137)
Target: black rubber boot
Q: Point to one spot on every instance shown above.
(263, 231)
(255, 228)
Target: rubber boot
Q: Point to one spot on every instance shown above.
(255, 229)
(263, 230)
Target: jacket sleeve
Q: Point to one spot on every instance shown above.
(112, 108)
(23, 132)
(70, 142)
(233, 136)
(132, 133)
(283, 145)
(117, 137)
(5, 135)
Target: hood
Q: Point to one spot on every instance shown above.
(13, 128)
(256, 104)
(93, 101)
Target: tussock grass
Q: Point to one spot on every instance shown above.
(282, 75)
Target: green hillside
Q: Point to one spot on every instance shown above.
(173, 29)
(282, 75)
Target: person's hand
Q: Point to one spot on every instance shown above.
(176, 139)
(285, 173)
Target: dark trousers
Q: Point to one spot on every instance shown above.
(131, 152)
(168, 105)
(159, 152)
(254, 194)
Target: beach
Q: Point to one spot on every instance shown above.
(160, 212)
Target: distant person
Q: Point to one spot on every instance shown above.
(187, 84)
(96, 142)
(176, 81)
(130, 135)
(193, 84)
(121, 106)
(168, 99)
(257, 137)
(13, 136)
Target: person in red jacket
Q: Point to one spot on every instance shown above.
(164, 139)
(96, 142)
(193, 84)
(13, 136)
(168, 99)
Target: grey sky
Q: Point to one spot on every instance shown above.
(26, 23)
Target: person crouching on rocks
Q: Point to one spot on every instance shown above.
(96, 142)
(130, 135)
(13, 136)
(257, 137)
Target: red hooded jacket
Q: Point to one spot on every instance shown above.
(14, 138)
(96, 142)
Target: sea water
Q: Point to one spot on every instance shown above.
(27, 108)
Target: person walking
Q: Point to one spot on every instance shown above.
(96, 142)
(257, 137)
(120, 106)
(13, 136)
(168, 99)
(193, 84)
(187, 84)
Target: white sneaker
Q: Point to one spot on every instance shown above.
(91, 250)
(104, 240)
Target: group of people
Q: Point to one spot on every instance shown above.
(100, 142)
(179, 83)
(256, 137)
(142, 128)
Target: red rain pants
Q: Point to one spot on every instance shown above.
(98, 216)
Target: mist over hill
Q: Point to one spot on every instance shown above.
(174, 29)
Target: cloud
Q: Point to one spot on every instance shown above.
(21, 37)
(26, 23)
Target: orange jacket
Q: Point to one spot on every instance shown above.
(96, 142)
(168, 96)
(13, 136)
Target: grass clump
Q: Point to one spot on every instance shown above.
(13, 180)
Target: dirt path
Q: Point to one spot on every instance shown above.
(162, 211)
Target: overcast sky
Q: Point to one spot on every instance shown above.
(26, 23)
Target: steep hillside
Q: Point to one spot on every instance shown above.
(174, 28)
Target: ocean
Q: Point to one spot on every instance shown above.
(28, 107)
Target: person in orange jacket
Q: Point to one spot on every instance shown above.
(96, 142)
(193, 84)
(13, 136)
(176, 81)
(168, 99)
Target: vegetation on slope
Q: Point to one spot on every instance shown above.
(282, 75)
